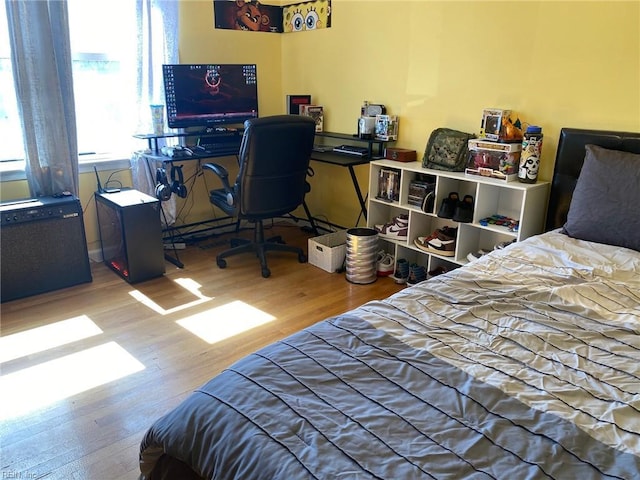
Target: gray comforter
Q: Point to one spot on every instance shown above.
(523, 364)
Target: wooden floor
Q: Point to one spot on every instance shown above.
(132, 332)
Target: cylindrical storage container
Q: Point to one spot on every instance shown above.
(362, 254)
(531, 154)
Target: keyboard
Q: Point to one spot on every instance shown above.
(219, 148)
(352, 150)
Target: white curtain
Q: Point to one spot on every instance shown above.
(41, 61)
(157, 44)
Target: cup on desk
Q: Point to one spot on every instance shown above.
(157, 119)
(366, 126)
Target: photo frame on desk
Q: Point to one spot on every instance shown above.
(293, 103)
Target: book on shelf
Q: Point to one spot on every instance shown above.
(294, 102)
(316, 112)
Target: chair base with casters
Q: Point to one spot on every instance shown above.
(260, 246)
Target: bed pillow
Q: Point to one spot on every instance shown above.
(605, 207)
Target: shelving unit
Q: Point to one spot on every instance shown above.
(520, 201)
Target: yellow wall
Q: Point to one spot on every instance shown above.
(434, 64)
(440, 63)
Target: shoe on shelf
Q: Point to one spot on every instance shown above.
(438, 271)
(464, 210)
(401, 273)
(446, 248)
(476, 255)
(501, 245)
(385, 264)
(448, 206)
(428, 201)
(444, 233)
(417, 274)
(396, 228)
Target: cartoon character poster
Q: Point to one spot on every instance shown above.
(307, 16)
(247, 16)
(253, 16)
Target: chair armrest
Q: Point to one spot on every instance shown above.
(221, 172)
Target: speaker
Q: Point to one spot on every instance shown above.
(43, 246)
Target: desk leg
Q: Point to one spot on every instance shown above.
(354, 179)
(176, 261)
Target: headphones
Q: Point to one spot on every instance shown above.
(177, 181)
(163, 189)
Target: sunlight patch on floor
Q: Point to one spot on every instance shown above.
(46, 337)
(186, 283)
(43, 384)
(225, 321)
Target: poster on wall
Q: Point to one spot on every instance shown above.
(247, 16)
(253, 16)
(311, 15)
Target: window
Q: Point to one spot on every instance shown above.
(11, 147)
(105, 62)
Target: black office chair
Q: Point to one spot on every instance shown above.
(271, 182)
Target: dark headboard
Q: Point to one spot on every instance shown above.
(569, 160)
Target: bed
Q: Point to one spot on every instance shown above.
(523, 364)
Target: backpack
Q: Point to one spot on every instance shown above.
(447, 149)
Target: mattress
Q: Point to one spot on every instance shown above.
(523, 364)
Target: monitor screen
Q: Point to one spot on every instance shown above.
(203, 95)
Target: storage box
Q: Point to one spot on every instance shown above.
(493, 159)
(386, 127)
(389, 184)
(328, 251)
(400, 154)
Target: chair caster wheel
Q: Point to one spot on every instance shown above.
(221, 263)
(302, 258)
(266, 273)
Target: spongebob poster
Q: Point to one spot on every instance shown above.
(253, 16)
(306, 16)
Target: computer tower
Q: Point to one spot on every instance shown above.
(43, 246)
(131, 234)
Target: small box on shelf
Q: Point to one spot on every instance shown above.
(316, 112)
(386, 127)
(419, 190)
(493, 159)
(389, 184)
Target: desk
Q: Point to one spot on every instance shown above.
(374, 146)
(375, 151)
(349, 161)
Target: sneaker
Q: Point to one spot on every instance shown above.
(476, 255)
(401, 273)
(438, 271)
(448, 206)
(446, 248)
(501, 245)
(428, 201)
(464, 210)
(385, 265)
(417, 274)
(445, 233)
(397, 228)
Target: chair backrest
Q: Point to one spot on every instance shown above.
(274, 158)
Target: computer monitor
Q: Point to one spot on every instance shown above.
(207, 95)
